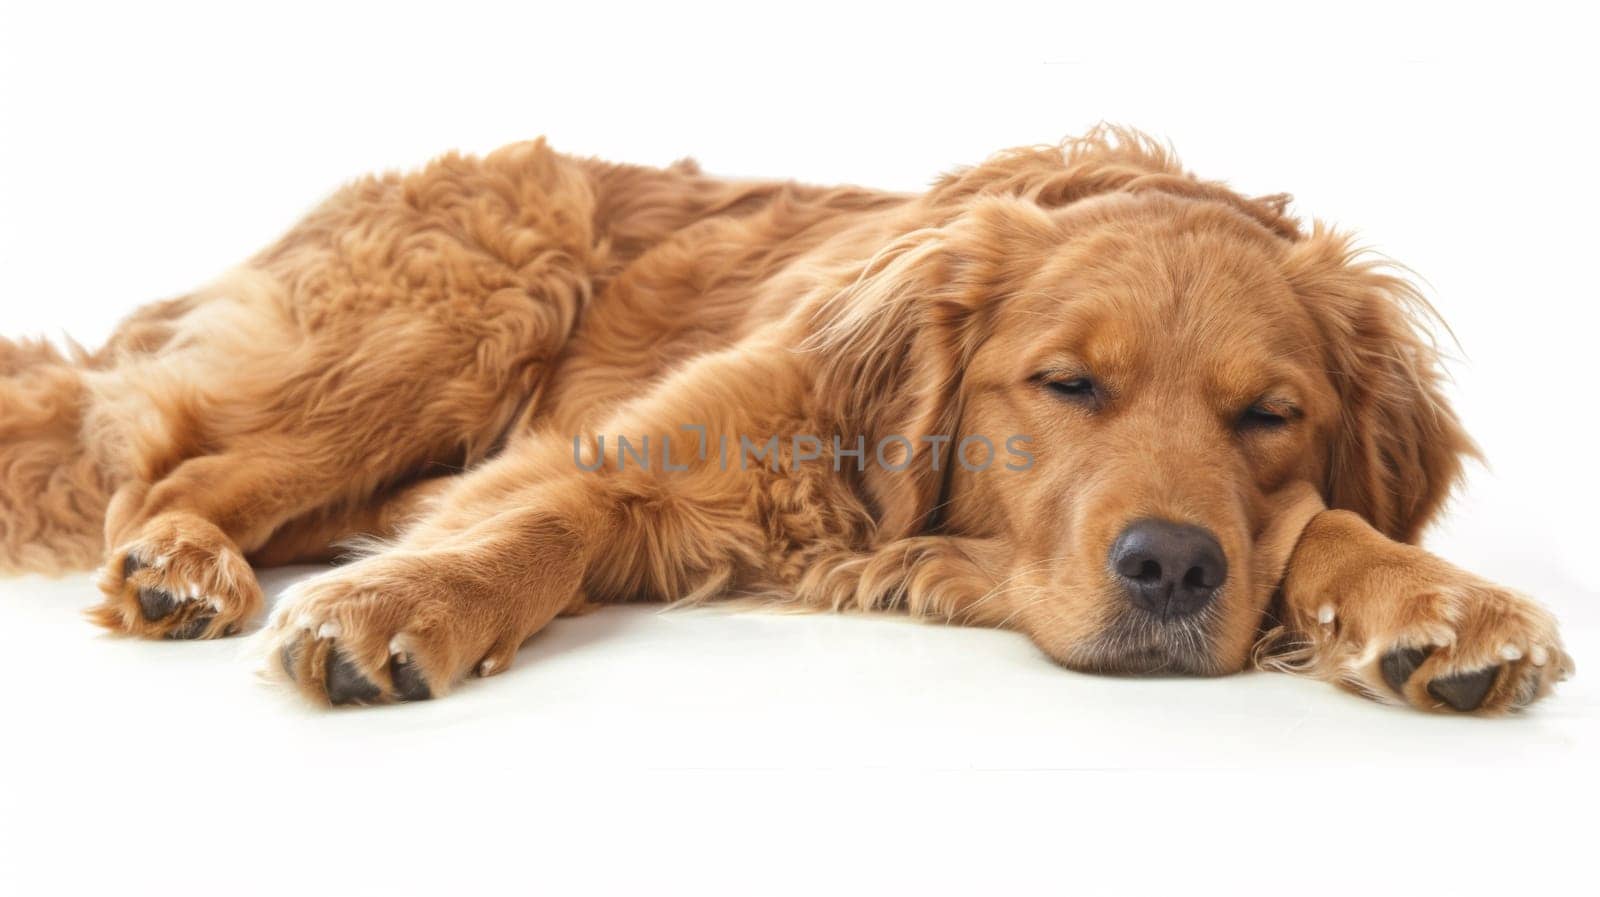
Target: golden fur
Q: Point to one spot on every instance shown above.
(431, 362)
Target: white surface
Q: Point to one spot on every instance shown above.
(729, 747)
(149, 147)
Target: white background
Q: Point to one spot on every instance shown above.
(147, 147)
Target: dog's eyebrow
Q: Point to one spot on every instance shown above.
(1059, 369)
(1277, 403)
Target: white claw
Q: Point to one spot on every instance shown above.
(1325, 614)
(1509, 653)
(487, 667)
(329, 630)
(396, 648)
(1539, 656)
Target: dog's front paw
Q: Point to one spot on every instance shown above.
(381, 631)
(1416, 629)
(179, 578)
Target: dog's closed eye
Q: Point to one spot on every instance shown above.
(1075, 388)
(1080, 390)
(1267, 415)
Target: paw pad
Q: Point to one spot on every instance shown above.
(1399, 665)
(157, 604)
(409, 683)
(1464, 691)
(345, 684)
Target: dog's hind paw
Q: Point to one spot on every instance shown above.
(180, 578)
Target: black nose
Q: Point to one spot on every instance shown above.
(1170, 569)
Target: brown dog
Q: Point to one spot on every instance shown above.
(1073, 391)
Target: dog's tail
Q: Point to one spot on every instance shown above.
(53, 492)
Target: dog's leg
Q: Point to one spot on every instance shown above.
(407, 623)
(1395, 622)
(538, 532)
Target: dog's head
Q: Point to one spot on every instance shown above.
(1149, 364)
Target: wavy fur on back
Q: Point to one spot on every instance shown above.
(53, 487)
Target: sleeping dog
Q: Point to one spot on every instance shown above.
(1157, 426)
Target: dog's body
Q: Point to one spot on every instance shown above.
(1173, 384)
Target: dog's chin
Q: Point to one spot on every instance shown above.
(1141, 644)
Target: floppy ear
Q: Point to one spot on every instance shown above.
(890, 346)
(1398, 449)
